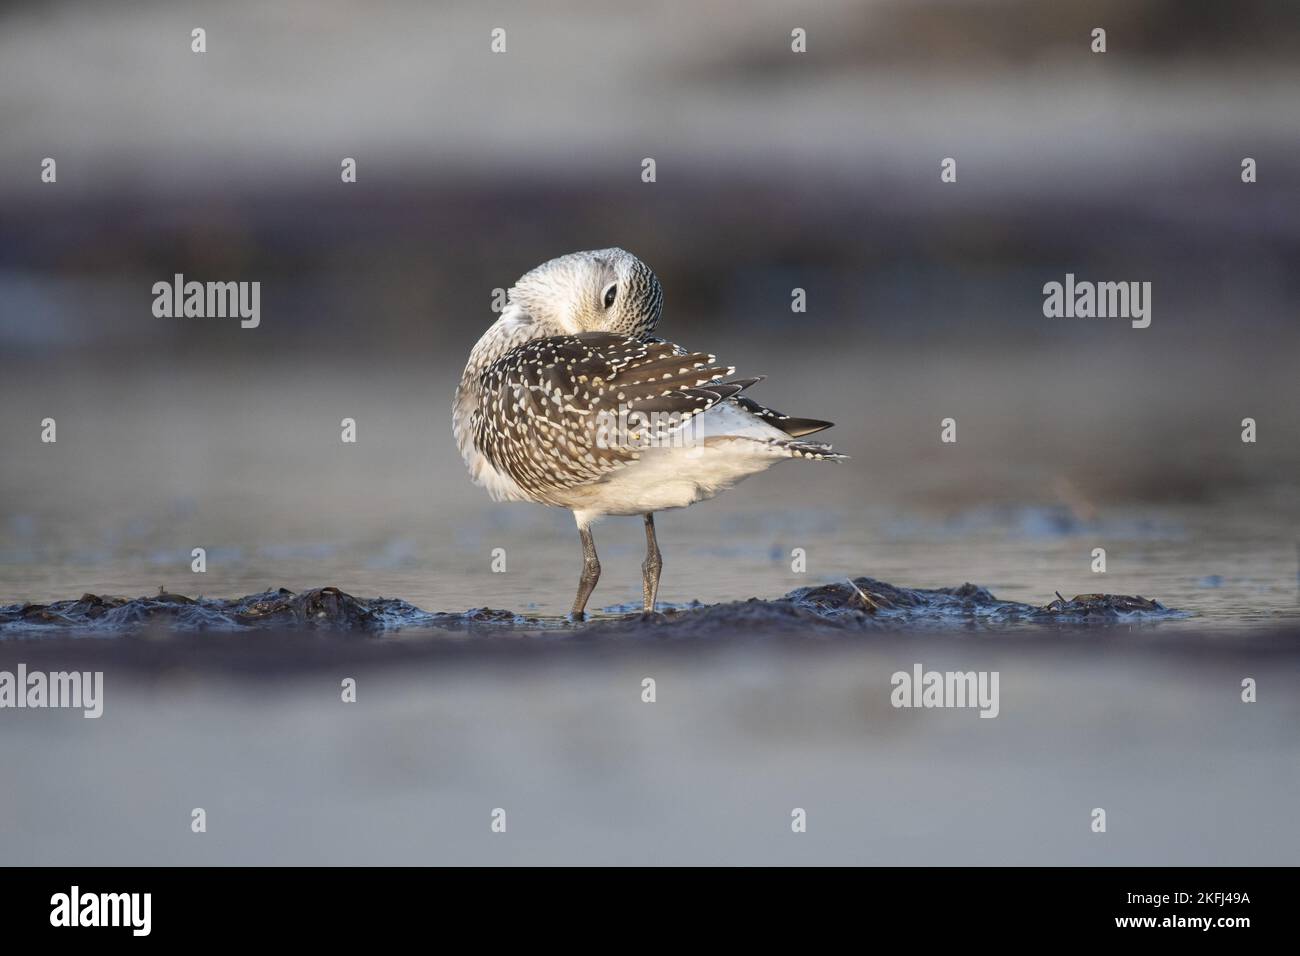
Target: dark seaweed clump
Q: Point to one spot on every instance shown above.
(281, 609)
(865, 604)
(855, 605)
(970, 603)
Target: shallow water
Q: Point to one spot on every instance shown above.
(1220, 578)
(246, 462)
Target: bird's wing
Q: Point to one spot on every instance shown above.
(792, 426)
(567, 410)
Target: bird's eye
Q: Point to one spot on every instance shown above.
(611, 294)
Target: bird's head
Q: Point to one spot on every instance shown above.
(602, 290)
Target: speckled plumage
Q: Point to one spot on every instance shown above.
(571, 353)
(538, 418)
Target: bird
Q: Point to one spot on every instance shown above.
(569, 400)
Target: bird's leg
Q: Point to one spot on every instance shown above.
(590, 574)
(652, 565)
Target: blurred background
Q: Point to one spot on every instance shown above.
(775, 170)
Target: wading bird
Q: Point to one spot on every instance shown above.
(568, 401)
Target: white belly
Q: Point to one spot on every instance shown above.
(727, 445)
(672, 478)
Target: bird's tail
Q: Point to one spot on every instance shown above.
(814, 450)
